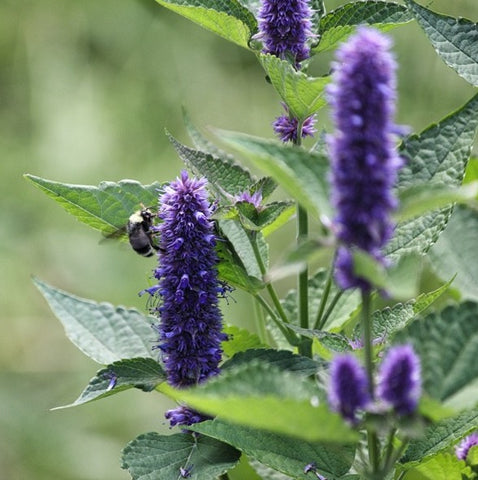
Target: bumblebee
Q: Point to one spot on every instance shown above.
(140, 234)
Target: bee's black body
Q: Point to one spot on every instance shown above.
(139, 232)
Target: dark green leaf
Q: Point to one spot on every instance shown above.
(224, 175)
(153, 456)
(142, 373)
(302, 94)
(456, 252)
(265, 185)
(239, 340)
(269, 218)
(441, 435)
(447, 343)
(439, 154)
(337, 25)
(226, 18)
(302, 174)
(262, 396)
(104, 333)
(106, 207)
(282, 453)
(454, 39)
(280, 359)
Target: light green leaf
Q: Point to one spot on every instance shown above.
(106, 207)
(226, 18)
(443, 466)
(456, 252)
(303, 95)
(447, 343)
(225, 176)
(142, 373)
(239, 340)
(337, 25)
(285, 454)
(262, 396)
(104, 333)
(439, 154)
(302, 174)
(454, 39)
(441, 435)
(153, 456)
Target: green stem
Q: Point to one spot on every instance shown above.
(323, 301)
(367, 335)
(290, 336)
(260, 322)
(330, 309)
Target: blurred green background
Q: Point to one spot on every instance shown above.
(86, 91)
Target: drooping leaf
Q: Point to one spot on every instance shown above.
(101, 331)
(225, 176)
(440, 436)
(454, 39)
(106, 207)
(337, 25)
(228, 19)
(285, 454)
(172, 457)
(142, 373)
(264, 397)
(456, 252)
(302, 174)
(447, 343)
(302, 94)
(239, 340)
(439, 154)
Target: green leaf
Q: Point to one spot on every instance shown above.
(434, 410)
(283, 360)
(454, 39)
(239, 340)
(441, 435)
(285, 454)
(439, 154)
(302, 174)
(106, 207)
(443, 466)
(448, 359)
(226, 18)
(456, 252)
(267, 473)
(270, 216)
(142, 373)
(104, 333)
(224, 175)
(154, 456)
(420, 199)
(264, 397)
(337, 25)
(303, 95)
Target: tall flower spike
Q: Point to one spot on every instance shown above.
(462, 449)
(285, 28)
(399, 379)
(363, 155)
(190, 326)
(348, 390)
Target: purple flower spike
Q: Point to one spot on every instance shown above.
(348, 390)
(363, 155)
(285, 127)
(183, 415)
(285, 28)
(254, 199)
(462, 449)
(399, 379)
(190, 328)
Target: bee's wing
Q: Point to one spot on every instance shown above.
(118, 234)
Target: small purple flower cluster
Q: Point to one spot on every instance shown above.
(190, 327)
(365, 162)
(285, 27)
(286, 127)
(462, 449)
(398, 385)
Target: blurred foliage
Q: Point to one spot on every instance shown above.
(87, 89)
